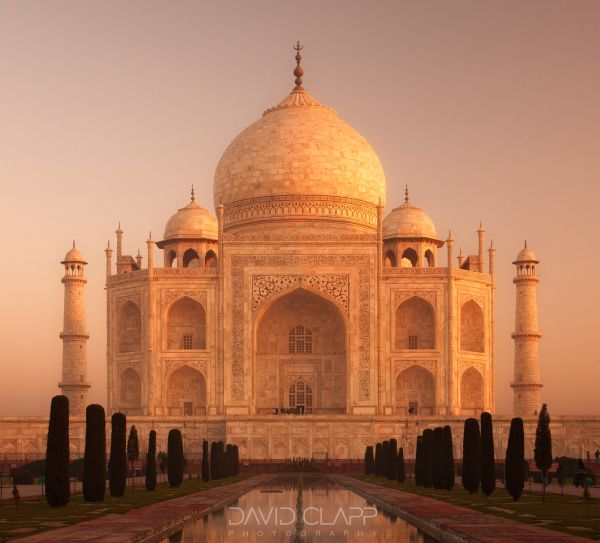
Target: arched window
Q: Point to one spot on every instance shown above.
(191, 259)
(186, 325)
(300, 340)
(130, 328)
(429, 258)
(300, 395)
(409, 258)
(415, 325)
(210, 260)
(390, 259)
(171, 259)
(471, 328)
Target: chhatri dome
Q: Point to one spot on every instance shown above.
(408, 221)
(191, 222)
(299, 148)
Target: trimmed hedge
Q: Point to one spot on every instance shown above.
(151, 462)
(175, 460)
(117, 465)
(94, 458)
(57, 453)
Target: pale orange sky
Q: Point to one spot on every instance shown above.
(110, 110)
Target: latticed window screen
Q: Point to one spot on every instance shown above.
(300, 340)
(187, 342)
(188, 409)
(412, 342)
(300, 393)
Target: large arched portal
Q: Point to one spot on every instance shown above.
(300, 358)
(415, 392)
(186, 392)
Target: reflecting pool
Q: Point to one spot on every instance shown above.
(299, 509)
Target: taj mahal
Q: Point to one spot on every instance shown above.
(307, 293)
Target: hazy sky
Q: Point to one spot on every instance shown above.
(110, 110)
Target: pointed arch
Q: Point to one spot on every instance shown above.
(191, 259)
(415, 392)
(409, 258)
(430, 258)
(415, 324)
(317, 328)
(171, 259)
(390, 259)
(472, 327)
(471, 392)
(130, 391)
(210, 260)
(186, 392)
(186, 325)
(129, 328)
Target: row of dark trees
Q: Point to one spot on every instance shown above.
(434, 462)
(222, 462)
(388, 461)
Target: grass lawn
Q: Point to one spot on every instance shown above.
(35, 515)
(569, 514)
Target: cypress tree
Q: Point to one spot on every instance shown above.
(221, 459)
(400, 470)
(515, 457)
(214, 466)
(57, 453)
(543, 446)
(471, 467)
(488, 464)
(448, 459)
(175, 458)
(439, 450)
(369, 460)
(385, 458)
(133, 451)
(94, 458)
(393, 461)
(205, 468)
(378, 455)
(117, 465)
(151, 462)
(419, 476)
(229, 460)
(236, 460)
(427, 458)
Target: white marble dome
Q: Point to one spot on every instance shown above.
(408, 221)
(299, 148)
(191, 222)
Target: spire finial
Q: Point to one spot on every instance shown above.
(73, 244)
(525, 244)
(108, 246)
(406, 194)
(298, 72)
(193, 197)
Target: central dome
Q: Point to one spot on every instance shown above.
(299, 148)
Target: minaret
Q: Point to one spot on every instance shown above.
(74, 382)
(526, 386)
(480, 233)
(450, 247)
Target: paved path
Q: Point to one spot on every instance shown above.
(154, 520)
(449, 522)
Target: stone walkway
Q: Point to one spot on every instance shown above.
(153, 520)
(448, 522)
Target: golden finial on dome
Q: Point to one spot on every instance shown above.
(73, 244)
(193, 197)
(406, 194)
(298, 71)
